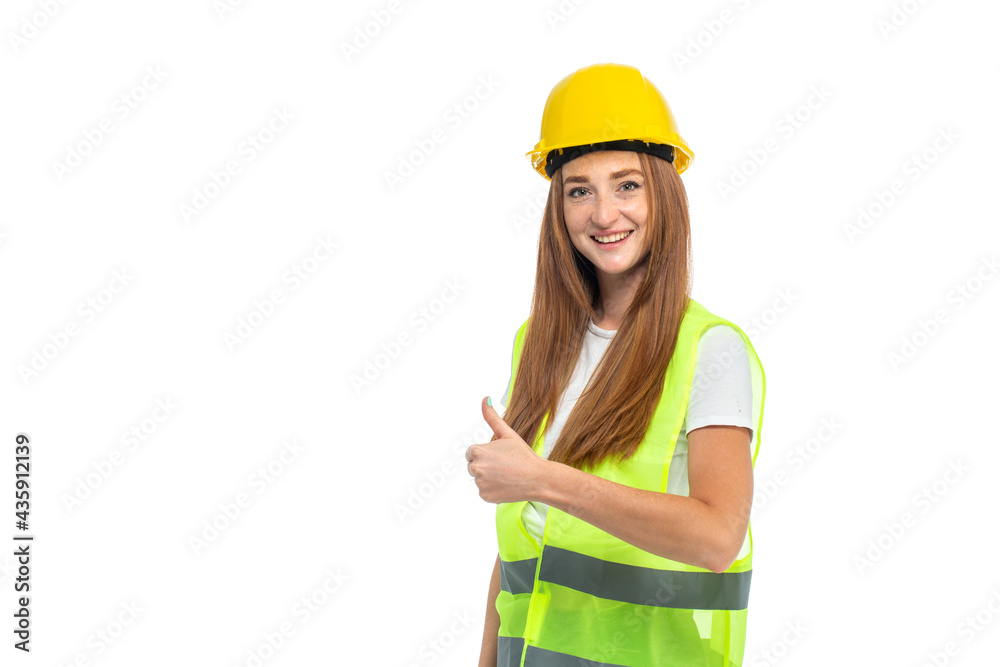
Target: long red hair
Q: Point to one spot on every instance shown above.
(615, 409)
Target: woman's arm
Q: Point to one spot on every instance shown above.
(488, 653)
(705, 528)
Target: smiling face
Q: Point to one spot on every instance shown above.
(604, 195)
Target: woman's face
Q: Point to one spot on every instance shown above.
(604, 194)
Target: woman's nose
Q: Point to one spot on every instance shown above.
(606, 210)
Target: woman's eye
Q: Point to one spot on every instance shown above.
(573, 191)
(633, 183)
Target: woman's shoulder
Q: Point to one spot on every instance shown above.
(721, 333)
(720, 340)
(717, 335)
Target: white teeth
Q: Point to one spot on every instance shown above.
(612, 239)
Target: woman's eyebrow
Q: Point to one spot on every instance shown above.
(616, 175)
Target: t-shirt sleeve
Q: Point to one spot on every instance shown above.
(722, 389)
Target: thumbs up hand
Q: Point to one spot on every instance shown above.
(506, 470)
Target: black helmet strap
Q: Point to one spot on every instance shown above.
(560, 156)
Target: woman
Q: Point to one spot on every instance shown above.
(623, 529)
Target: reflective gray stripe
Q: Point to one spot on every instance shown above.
(518, 576)
(509, 651)
(540, 657)
(644, 585)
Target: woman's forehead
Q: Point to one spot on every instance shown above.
(598, 164)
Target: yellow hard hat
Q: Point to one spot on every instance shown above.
(606, 107)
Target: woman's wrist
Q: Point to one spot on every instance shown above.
(551, 483)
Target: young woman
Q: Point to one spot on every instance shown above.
(623, 528)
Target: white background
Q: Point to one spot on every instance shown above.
(826, 310)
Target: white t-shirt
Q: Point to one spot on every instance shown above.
(721, 393)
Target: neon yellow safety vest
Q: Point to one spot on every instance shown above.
(585, 597)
